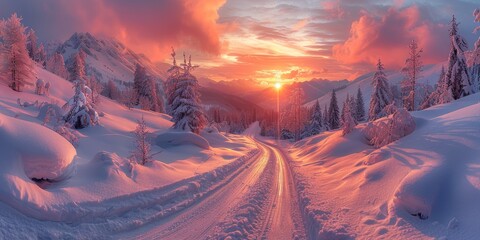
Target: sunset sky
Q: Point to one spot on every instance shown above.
(281, 40)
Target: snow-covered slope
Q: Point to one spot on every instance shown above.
(100, 158)
(430, 75)
(425, 185)
(107, 58)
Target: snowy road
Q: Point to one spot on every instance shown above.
(260, 202)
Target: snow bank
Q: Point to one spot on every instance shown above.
(43, 154)
(426, 185)
(173, 138)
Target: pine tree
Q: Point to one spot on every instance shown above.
(348, 122)
(441, 89)
(77, 69)
(141, 154)
(171, 83)
(56, 65)
(315, 125)
(381, 95)
(17, 69)
(333, 113)
(187, 113)
(412, 69)
(326, 121)
(360, 107)
(457, 74)
(32, 44)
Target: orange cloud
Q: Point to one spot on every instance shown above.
(387, 38)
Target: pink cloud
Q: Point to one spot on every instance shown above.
(387, 38)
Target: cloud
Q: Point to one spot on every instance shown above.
(147, 26)
(387, 38)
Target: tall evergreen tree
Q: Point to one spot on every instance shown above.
(381, 96)
(412, 69)
(457, 74)
(360, 106)
(187, 112)
(77, 68)
(17, 67)
(333, 112)
(315, 125)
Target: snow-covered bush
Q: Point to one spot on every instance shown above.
(79, 112)
(398, 124)
(40, 87)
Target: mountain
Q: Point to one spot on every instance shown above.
(106, 58)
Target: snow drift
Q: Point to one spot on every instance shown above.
(174, 138)
(31, 145)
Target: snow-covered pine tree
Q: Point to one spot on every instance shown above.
(360, 106)
(315, 125)
(457, 73)
(141, 153)
(348, 122)
(187, 112)
(474, 60)
(17, 68)
(333, 113)
(326, 121)
(79, 112)
(171, 83)
(32, 46)
(412, 69)
(381, 95)
(56, 65)
(77, 68)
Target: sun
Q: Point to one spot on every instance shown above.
(278, 85)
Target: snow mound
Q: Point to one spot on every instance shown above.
(43, 154)
(106, 165)
(174, 138)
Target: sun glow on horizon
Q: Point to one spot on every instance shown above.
(278, 85)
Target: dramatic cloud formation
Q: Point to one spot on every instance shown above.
(387, 37)
(268, 40)
(147, 26)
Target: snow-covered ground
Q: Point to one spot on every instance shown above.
(423, 186)
(93, 180)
